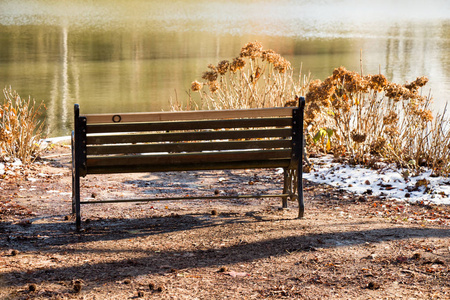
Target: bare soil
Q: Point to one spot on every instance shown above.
(346, 247)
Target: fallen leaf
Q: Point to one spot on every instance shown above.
(236, 274)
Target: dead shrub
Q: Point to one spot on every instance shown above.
(255, 78)
(20, 127)
(370, 115)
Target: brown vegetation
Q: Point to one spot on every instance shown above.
(370, 118)
(359, 118)
(256, 78)
(20, 127)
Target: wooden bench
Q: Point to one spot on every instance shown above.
(191, 140)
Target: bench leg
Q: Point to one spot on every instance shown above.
(76, 196)
(75, 187)
(293, 185)
(290, 185)
(76, 199)
(286, 188)
(299, 183)
(301, 205)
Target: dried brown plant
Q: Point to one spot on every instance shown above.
(255, 78)
(370, 115)
(20, 127)
(364, 117)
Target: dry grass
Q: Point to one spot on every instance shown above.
(368, 118)
(254, 79)
(363, 118)
(20, 127)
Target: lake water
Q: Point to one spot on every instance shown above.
(135, 55)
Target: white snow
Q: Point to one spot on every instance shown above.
(55, 140)
(387, 181)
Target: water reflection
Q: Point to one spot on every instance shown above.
(136, 55)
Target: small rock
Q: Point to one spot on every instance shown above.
(127, 281)
(368, 192)
(151, 286)
(362, 199)
(77, 286)
(25, 223)
(416, 256)
(14, 252)
(214, 212)
(373, 286)
(32, 287)
(401, 259)
(372, 256)
(223, 269)
(140, 294)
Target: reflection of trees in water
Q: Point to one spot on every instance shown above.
(411, 51)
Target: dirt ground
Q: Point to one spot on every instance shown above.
(346, 247)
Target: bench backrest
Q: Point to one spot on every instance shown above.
(192, 140)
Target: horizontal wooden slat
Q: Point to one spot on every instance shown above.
(188, 136)
(274, 163)
(188, 115)
(187, 158)
(189, 125)
(188, 147)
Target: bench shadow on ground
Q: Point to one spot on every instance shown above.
(52, 235)
(205, 183)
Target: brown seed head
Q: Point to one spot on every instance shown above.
(223, 66)
(196, 86)
(210, 75)
(237, 64)
(270, 56)
(252, 50)
(416, 84)
(390, 118)
(214, 86)
(358, 137)
(282, 65)
(377, 147)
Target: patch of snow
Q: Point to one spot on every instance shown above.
(17, 162)
(55, 140)
(388, 182)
